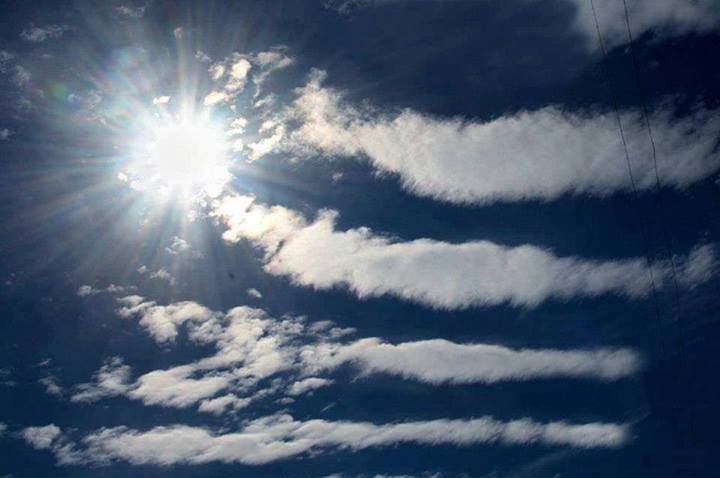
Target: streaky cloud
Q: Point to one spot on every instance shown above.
(529, 155)
(278, 437)
(439, 274)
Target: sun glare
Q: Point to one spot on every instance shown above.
(184, 158)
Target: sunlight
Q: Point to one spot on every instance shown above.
(185, 158)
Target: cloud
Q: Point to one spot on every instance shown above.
(178, 245)
(215, 97)
(308, 385)
(131, 11)
(541, 154)
(434, 273)
(87, 290)
(5, 58)
(162, 321)
(176, 388)
(111, 380)
(662, 17)
(218, 406)
(5, 134)
(21, 76)
(252, 292)
(41, 438)
(40, 34)
(163, 274)
(52, 387)
(161, 100)
(248, 347)
(278, 437)
(440, 361)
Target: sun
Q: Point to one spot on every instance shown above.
(186, 158)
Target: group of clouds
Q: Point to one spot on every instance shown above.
(258, 356)
(289, 356)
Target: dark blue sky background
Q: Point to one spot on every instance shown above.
(68, 222)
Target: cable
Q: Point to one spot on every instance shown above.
(676, 290)
(646, 118)
(646, 242)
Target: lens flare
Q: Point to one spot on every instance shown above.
(186, 158)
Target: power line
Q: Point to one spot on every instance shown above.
(646, 242)
(653, 149)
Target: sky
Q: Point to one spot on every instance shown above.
(359, 238)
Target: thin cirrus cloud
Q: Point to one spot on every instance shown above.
(257, 356)
(530, 155)
(278, 437)
(662, 17)
(36, 34)
(439, 274)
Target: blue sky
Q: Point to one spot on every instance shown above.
(359, 238)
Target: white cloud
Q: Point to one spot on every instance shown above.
(217, 406)
(161, 100)
(5, 134)
(434, 273)
(251, 346)
(663, 17)
(21, 76)
(131, 11)
(252, 292)
(162, 321)
(178, 33)
(111, 380)
(40, 34)
(41, 438)
(178, 245)
(440, 361)
(176, 388)
(87, 290)
(539, 154)
(52, 387)
(278, 437)
(307, 385)
(238, 71)
(215, 97)
(163, 274)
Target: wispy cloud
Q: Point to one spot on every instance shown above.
(541, 154)
(36, 34)
(251, 347)
(277, 437)
(435, 273)
(131, 11)
(663, 17)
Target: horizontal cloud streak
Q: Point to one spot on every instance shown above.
(256, 355)
(278, 437)
(440, 361)
(434, 273)
(539, 154)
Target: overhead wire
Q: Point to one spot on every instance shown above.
(647, 250)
